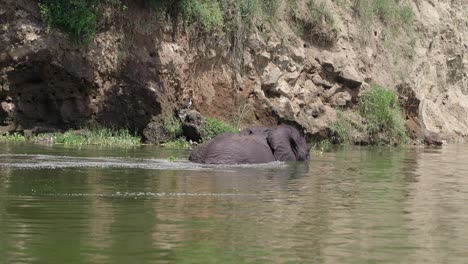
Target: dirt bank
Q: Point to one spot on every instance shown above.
(142, 65)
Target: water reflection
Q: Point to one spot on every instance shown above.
(353, 205)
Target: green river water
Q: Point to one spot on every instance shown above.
(350, 205)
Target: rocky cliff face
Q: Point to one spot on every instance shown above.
(141, 66)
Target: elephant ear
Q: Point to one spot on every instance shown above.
(288, 144)
(259, 131)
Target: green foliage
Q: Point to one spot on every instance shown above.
(172, 126)
(380, 108)
(270, 7)
(81, 18)
(341, 129)
(14, 137)
(172, 158)
(320, 12)
(379, 120)
(102, 136)
(321, 146)
(393, 13)
(77, 17)
(215, 127)
(206, 14)
(180, 143)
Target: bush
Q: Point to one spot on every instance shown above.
(341, 129)
(215, 127)
(320, 12)
(179, 143)
(14, 137)
(172, 126)
(393, 13)
(378, 120)
(380, 108)
(76, 17)
(100, 136)
(206, 14)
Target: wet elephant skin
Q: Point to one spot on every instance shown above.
(253, 145)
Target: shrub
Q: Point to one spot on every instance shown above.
(77, 17)
(172, 126)
(320, 12)
(179, 143)
(206, 14)
(99, 136)
(215, 127)
(393, 13)
(380, 108)
(340, 130)
(14, 137)
(378, 119)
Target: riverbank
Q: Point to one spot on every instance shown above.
(303, 62)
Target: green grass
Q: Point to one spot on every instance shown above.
(82, 19)
(380, 108)
(379, 120)
(102, 136)
(205, 14)
(393, 13)
(14, 137)
(215, 127)
(320, 12)
(341, 129)
(179, 143)
(172, 126)
(321, 146)
(79, 18)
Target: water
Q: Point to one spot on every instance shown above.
(352, 205)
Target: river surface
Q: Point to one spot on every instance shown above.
(350, 205)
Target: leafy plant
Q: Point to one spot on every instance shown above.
(215, 127)
(393, 13)
(179, 143)
(341, 129)
(77, 17)
(102, 136)
(380, 108)
(14, 137)
(204, 13)
(320, 12)
(172, 126)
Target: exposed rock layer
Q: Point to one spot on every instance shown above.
(134, 72)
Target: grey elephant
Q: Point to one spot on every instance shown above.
(253, 145)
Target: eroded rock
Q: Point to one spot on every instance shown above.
(192, 124)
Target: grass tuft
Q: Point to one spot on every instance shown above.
(180, 143)
(172, 126)
(79, 18)
(215, 127)
(320, 12)
(379, 120)
(102, 136)
(14, 137)
(393, 13)
(380, 108)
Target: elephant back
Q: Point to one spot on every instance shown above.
(231, 148)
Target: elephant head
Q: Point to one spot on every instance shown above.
(253, 145)
(287, 144)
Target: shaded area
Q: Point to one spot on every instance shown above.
(43, 97)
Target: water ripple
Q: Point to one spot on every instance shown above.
(27, 161)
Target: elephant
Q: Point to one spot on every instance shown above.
(253, 145)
